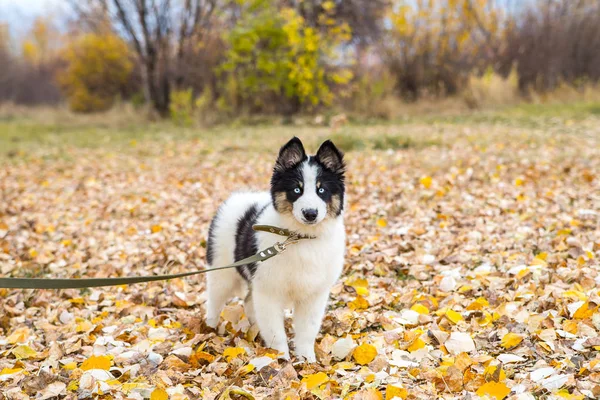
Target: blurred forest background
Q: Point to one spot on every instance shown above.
(208, 61)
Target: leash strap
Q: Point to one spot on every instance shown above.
(81, 283)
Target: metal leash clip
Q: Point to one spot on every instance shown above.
(282, 246)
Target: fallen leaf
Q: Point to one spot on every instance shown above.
(392, 391)
(496, 390)
(511, 340)
(313, 380)
(364, 354)
(233, 352)
(24, 352)
(54, 389)
(453, 316)
(459, 342)
(96, 362)
(342, 347)
(359, 303)
(426, 181)
(381, 222)
(156, 228)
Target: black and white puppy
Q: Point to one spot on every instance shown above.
(307, 196)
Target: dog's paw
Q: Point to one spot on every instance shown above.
(306, 356)
(212, 323)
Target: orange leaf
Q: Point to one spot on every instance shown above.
(96, 362)
(359, 303)
(496, 390)
(426, 181)
(159, 394)
(365, 353)
(392, 391)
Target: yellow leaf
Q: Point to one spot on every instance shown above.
(96, 362)
(314, 380)
(10, 371)
(463, 361)
(129, 386)
(359, 304)
(416, 345)
(494, 373)
(519, 182)
(453, 316)
(575, 294)
(24, 352)
(246, 369)
(201, 356)
(511, 340)
(496, 390)
(584, 311)
(392, 391)
(361, 286)
(479, 304)
(234, 390)
(73, 386)
(539, 261)
(564, 393)
(420, 308)
(485, 319)
(84, 326)
(365, 353)
(233, 352)
(426, 181)
(159, 394)
(70, 366)
(570, 326)
(382, 222)
(156, 228)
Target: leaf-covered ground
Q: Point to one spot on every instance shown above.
(472, 269)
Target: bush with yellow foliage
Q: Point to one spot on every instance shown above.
(98, 67)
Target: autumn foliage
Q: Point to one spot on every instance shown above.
(98, 66)
(249, 57)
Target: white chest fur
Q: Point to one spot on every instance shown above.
(308, 268)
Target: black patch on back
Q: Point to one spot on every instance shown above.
(245, 241)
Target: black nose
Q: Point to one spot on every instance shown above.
(310, 214)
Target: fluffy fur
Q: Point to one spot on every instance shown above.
(307, 196)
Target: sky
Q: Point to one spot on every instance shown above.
(19, 14)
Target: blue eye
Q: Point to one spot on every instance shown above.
(321, 190)
(297, 190)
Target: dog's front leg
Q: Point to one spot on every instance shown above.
(269, 314)
(308, 316)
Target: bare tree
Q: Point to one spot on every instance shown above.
(159, 31)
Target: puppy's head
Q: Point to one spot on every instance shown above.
(310, 188)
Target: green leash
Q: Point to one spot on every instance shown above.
(75, 283)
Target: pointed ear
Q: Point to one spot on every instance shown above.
(331, 157)
(291, 154)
